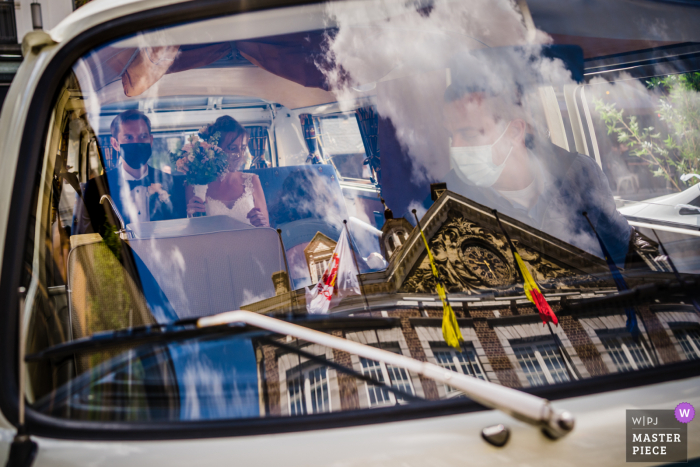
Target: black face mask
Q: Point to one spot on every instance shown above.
(135, 154)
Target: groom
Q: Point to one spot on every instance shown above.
(140, 192)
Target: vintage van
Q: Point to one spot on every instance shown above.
(361, 232)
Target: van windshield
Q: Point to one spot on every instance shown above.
(393, 173)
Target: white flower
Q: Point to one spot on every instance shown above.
(190, 157)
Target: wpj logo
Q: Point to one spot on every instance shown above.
(685, 413)
(656, 436)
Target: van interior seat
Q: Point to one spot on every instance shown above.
(299, 192)
(102, 295)
(205, 274)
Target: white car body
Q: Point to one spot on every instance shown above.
(667, 208)
(449, 440)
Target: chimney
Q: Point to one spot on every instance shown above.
(37, 21)
(280, 280)
(388, 214)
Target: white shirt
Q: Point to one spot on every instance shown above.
(138, 208)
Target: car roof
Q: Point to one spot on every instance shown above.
(100, 11)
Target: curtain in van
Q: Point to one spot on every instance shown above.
(257, 145)
(140, 68)
(368, 121)
(309, 129)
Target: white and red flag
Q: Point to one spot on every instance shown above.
(338, 281)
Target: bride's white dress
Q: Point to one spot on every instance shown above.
(241, 207)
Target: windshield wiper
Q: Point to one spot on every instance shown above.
(177, 331)
(520, 405)
(168, 333)
(343, 369)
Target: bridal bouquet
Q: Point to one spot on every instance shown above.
(201, 161)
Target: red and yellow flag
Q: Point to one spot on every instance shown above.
(533, 293)
(531, 290)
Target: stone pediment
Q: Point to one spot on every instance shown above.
(473, 256)
(320, 243)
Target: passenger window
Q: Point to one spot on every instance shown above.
(641, 135)
(341, 142)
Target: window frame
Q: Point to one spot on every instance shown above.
(534, 344)
(620, 335)
(328, 157)
(692, 343)
(386, 379)
(307, 401)
(22, 202)
(441, 347)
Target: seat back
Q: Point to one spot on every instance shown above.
(102, 296)
(206, 274)
(300, 192)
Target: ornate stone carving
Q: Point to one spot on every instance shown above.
(473, 259)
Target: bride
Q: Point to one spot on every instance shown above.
(234, 193)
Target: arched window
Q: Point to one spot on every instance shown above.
(392, 245)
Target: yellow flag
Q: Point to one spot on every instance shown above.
(533, 293)
(450, 328)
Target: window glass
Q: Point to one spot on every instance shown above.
(643, 134)
(464, 361)
(341, 141)
(541, 363)
(295, 162)
(689, 339)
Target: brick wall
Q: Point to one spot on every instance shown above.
(586, 350)
(494, 350)
(272, 380)
(415, 347)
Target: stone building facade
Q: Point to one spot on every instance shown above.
(505, 341)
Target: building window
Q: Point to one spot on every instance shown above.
(689, 339)
(397, 378)
(626, 354)
(465, 362)
(308, 392)
(541, 362)
(8, 26)
(320, 269)
(392, 244)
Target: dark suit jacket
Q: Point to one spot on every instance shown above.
(573, 184)
(110, 183)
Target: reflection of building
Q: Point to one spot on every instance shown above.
(318, 254)
(504, 339)
(394, 234)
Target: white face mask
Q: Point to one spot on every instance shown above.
(474, 164)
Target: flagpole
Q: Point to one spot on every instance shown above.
(675, 271)
(357, 267)
(449, 319)
(437, 277)
(612, 264)
(292, 295)
(549, 325)
(510, 243)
